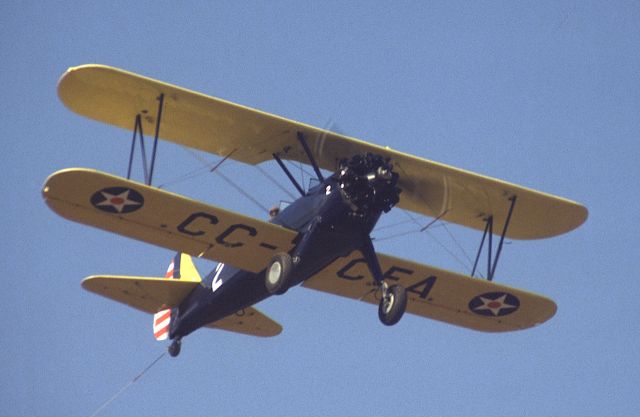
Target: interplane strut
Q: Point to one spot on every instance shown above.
(488, 230)
(138, 133)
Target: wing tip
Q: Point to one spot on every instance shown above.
(91, 282)
(72, 84)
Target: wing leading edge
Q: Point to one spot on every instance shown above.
(115, 96)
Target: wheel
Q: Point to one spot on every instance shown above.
(174, 348)
(277, 276)
(392, 306)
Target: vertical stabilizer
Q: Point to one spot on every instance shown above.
(182, 268)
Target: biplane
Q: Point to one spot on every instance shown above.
(320, 241)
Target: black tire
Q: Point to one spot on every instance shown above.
(390, 311)
(277, 276)
(174, 348)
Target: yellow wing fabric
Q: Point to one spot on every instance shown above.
(213, 125)
(438, 294)
(165, 219)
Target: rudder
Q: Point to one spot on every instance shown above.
(182, 268)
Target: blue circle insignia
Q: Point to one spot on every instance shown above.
(494, 304)
(117, 200)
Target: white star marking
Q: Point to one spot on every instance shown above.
(119, 201)
(495, 306)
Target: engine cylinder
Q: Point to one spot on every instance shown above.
(368, 183)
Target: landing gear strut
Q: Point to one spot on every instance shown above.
(393, 302)
(174, 347)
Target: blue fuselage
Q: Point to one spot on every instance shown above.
(328, 228)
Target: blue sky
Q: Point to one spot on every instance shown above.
(543, 94)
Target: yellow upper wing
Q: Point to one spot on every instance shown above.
(165, 219)
(438, 294)
(210, 124)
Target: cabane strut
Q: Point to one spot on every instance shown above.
(312, 160)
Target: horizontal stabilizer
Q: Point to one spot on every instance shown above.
(248, 321)
(143, 293)
(152, 295)
(165, 219)
(438, 294)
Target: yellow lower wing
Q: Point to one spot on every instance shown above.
(165, 219)
(438, 294)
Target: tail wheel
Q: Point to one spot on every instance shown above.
(393, 305)
(174, 348)
(277, 276)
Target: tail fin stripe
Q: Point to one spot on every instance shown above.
(162, 318)
(161, 332)
(169, 273)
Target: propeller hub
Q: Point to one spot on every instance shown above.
(368, 183)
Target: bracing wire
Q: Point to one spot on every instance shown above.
(461, 262)
(413, 219)
(273, 180)
(400, 234)
(209, 167)
(241, 191)
(449, 251)
(394, 236)
(204, 169)
(301, 167)
(392, 225)
(464, 252)
(185, 177)
(127, 385)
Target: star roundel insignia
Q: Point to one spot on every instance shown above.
(117, 200)
(494, 304)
